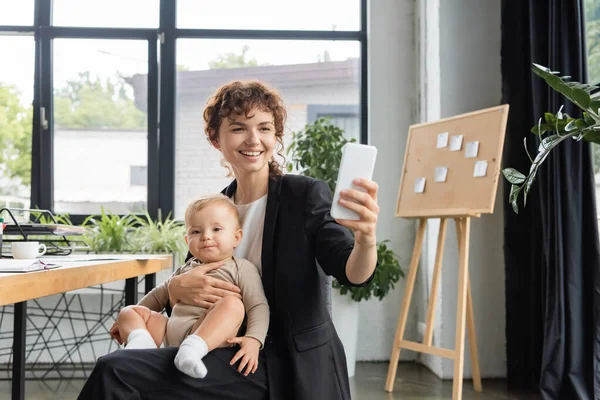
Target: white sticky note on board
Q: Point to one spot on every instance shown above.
(456, 142)
(472, 149)
(441, 173)
(419, 185)
(442, 140)
(480, 169)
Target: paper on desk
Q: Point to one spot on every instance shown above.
(81, 258)
(25, 265)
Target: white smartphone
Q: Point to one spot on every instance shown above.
(358, 161)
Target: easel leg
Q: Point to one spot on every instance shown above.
(439, 255)
(473, 342)
(410, 284)
(471, 332)
(461, 306)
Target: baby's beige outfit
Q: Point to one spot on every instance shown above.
(238, 271)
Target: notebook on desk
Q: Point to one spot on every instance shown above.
(28, 265)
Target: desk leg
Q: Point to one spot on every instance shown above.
(131, 289)
(19, 342)
(150, 282)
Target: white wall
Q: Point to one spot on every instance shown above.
(456, 64)
(392, 105)
(464, 49)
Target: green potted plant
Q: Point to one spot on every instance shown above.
(109, 233)
(161, 236)
(136, 233)
(316, 151)
(553, 129)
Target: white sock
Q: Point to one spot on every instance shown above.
(140, 339)
(189, 357)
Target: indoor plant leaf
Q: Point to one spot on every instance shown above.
(559, 127)
(582, 98)
(513, 176)
(514, 194)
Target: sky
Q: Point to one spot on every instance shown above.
(107, 57)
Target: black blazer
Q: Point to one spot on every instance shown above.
(304, 355)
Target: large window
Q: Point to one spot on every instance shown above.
(592, 17)
(104, 104)
(16, 97)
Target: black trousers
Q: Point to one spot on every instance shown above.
(151, 374)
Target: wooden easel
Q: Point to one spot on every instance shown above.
(461, 197)
(464, 309)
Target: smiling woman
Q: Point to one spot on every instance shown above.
(244, 121)
(246, 131)
(295, 231)
(313, 78)
(251, 142)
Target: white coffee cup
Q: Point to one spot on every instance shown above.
(27, 250)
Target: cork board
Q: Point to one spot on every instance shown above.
(457, 182)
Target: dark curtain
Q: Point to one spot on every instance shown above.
(551, 247)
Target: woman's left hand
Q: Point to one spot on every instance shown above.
(365, 204)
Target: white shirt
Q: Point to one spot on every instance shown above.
(252, 216)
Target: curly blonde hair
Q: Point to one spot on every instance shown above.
(237, 98)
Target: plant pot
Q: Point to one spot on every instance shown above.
(344, 312)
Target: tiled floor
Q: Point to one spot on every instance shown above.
(414, 382)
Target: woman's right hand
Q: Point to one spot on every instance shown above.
(197, 289)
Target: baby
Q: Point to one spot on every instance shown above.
(213, 231)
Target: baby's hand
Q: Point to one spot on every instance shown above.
(114, 332)
(248, 353)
